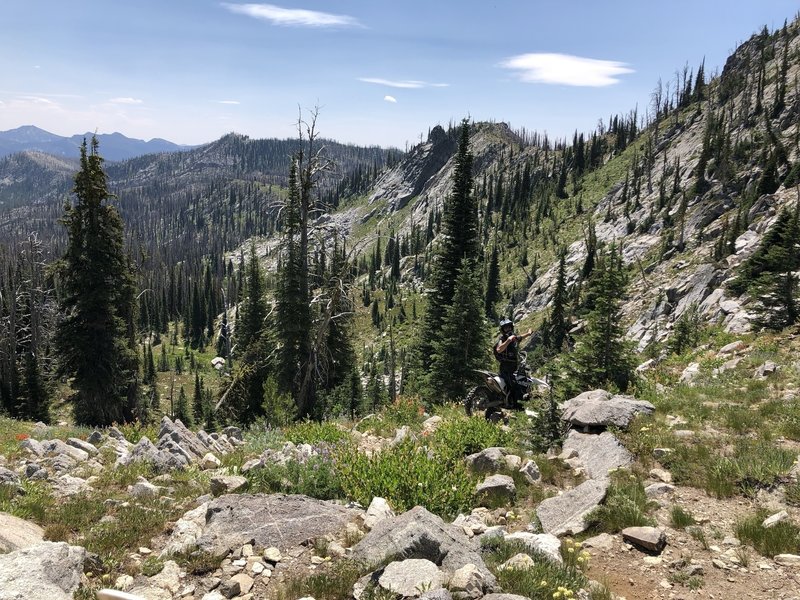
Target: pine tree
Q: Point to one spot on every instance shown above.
(602, 356)
(492, 285)
(182, 409)
(253, 312)
(558, 323)
(460, 240)
(461, 345)
(95, 337)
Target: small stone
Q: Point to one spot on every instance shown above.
(239, 562)
(649, 538)
(530, 470)
(245, 582)
(229, 588)
(773, 520)
(247, 550)
(227, 484)
(467, 582)
(273, 555)
(210, 462)
(661, 475)
(513, 462)
(257, 568)
(665, 584)
(652, 560)
(143, 550)
(694, 570)
(718, 563)
(123, 583)
(660, 453)
(654, 490)
(496, 489)
(521, 562)
(787, 560)
(377, 511)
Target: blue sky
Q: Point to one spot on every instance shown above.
(381, 72)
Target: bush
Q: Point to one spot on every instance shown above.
(405, 410)
(314, 432)
(136, 430)
(626, 505)
(317, 478)
(544, 581)
(783, 538)
(457, 438)
(680, 518)
(406, 476)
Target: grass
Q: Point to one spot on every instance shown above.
(782, 538)
(545, 580)
(334, 583)
(626, 505)
(315, 432)
(680, 518)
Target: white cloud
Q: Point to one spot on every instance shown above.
(126, 101)
(409, 84)
(391, 99)
(292, 16)
(563, 69)
(229, 102)
(37, 100)
(37, 66)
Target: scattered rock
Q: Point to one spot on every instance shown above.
(245, 582)
(66, 485)
(513, 462)
(489, 460)
(690, 373)
(10, 479)
(773, 520)
(467, 582)
(564, 514)
(765, 370)
(273, 555)
(411, 577)
(599, 454)
(732, 348)
(654, 490)
(49, 570)
(378, 510)
(56, 447)
(418, 533)
(431, 424)
(496, 490)
(530, 470)
(787, 560)
(90, 449)
(599, 409)
(227, 484)
(648, 538)
(520, 562)
(16, 533)
(186, 532)
(210, 461)
(143, 489)
(544, 543)
(33, 446)
(660, 475)
(603, 541)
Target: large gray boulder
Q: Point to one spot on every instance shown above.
(489, 460)
(16, 533)
(599, 409)
(145, 451)
(564, 514)
(176, 432)
(411, 577)
(599, 454)
(651, 539)
(496, 490)
(50, 570)
(56, 447)
(279, 520)
(418, 533)
(546, 544)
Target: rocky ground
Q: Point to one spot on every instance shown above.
(218, 532)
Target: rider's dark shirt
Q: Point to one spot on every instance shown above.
(507, 358)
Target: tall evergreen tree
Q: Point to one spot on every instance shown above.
(460, 240)
(253, 312)
(95, 337)
(602, 355)
(558, 322)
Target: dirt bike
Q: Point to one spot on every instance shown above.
(494, 394)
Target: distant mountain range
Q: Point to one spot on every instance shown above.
(115, 146)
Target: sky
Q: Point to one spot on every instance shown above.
(381, 73)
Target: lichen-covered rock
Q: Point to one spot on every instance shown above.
(50, 570)
(599, 409)
(564, 514)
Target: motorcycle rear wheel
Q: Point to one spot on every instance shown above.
(477, 399)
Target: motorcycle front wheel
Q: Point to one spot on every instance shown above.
(477, 399)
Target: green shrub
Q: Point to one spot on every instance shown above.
(261, 436)
(33, 505)
(314, 432)
(317, 478)
(405, 410)
(334, 583)
(455, 439)
(133, 526)
(77, 513)
(152, 565)
(136, 430)
(545, 580)
(626, 505)
(406, 476)
(680, 518)
(792, 494)
(783, 538)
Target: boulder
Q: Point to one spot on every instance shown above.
(690, 373)
(378, 510)
(49, 570)
(599, 454)
(145, 451)
(496, 490)
(176, 432)
(658, 489)
(90, 449)
(545, 544)
(186, 532)
(95, 437)
(518, 562)
(411, 577)
(530, 470)
(233, 433)
(143, 489)
(787, 560)
(56, 447)
(648, 538)
(773, 520)
(33, 446)
(65, 486)
(279, 520)
(467, 582)
(564, 514)
(210, 461)
(765, 370)
(418, 533)
(599, 409)
(10, 479)
(227, 484)
(490, 460)
(732, 348)
(16, 533)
